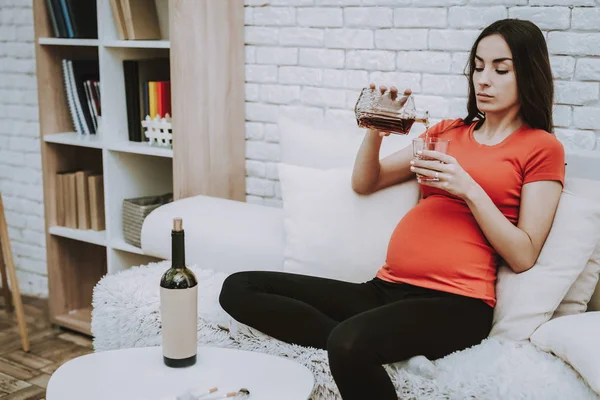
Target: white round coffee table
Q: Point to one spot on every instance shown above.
(139, 374)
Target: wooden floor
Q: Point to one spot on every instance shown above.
(24, 376)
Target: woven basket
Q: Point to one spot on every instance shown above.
(135, 211)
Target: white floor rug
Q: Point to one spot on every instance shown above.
(126, 314)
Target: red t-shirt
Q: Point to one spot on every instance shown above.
(438, 244)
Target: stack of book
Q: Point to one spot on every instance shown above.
(147, 92)
(157, 98)
(82, 87)
(73, 18)
(136, 19)
(80, 200)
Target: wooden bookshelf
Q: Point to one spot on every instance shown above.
(208, 155)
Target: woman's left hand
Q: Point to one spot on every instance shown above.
(452, 177)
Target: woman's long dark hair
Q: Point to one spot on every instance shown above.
(535, 86)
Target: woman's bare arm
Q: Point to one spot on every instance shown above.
(518, 245)
(371, 174)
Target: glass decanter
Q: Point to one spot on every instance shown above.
(375, 110)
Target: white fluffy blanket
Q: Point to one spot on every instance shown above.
(126, 314)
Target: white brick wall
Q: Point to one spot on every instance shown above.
(311, 58)
(20, 160)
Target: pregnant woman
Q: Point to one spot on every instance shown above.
(492, 199)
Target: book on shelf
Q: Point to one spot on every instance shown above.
(136, 19)
(96, 196)
(147, 92)
(60, 199)
(157, 99)
(69, 201)
(82, 88)
(73, 19)
(80, 200)
(83, 199)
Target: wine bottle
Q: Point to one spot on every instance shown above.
(179, 306)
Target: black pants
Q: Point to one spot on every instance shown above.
(361, 325)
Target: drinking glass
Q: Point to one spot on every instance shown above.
(432, 143)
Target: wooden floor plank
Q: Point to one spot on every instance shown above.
(77, 339)
(70, 353)
(50, 348)
(12, 342)
(10, 385)
(28, 359)
(25, 376)
(40, 380)
(30, 393)
(16, 370)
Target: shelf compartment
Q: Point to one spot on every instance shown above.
(49, 41)
(79, 320)
(120, 244)
(76, 269)
(140, 148)
(74, 139)
(121, 260)
(108, 27)
(62, 157)
(115, 127)
(54, 108)
(139, 44)
(132, 175)
(82, 235)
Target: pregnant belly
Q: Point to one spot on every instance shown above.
(439, 239)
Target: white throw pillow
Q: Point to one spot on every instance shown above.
(594, 304)
(527, 300)
(333, 232)
(328, 146)
(576, 340)
(579, 295)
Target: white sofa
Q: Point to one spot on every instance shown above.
(231, 236)
(227, 236)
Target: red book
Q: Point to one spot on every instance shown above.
(167, 94)
(159, 99)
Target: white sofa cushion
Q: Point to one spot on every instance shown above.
(576, 340)
(333, 232)
(220, 234)
(327, 146)
(527, 300)
(581, 293)
(584, 294)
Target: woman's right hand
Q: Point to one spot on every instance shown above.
(393, 95)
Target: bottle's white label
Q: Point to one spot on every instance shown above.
(179, 320)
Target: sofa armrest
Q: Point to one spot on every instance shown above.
(222, 235)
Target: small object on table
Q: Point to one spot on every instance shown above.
(243, 393)
(196, 394)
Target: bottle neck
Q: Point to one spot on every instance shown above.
(177, 249)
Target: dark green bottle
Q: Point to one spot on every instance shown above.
(179, 306)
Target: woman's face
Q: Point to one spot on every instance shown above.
(494, 77)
